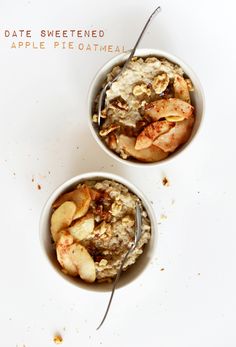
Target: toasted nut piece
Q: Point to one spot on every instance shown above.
(62, 218)
(106, 131)
(151, 132)
(140, 89)
(160, 83)
(178, 135)
(75, 259)
(181, 89)
(151, 154)
(103, 229)
(80, 197)
(83, 227)
(95, 118)
(168, 108)
(150, 60)
(119, 103)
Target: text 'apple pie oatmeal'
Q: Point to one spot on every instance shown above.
(148, 111)
(93, 227)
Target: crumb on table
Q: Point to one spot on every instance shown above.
(58, 339)
(165, 182)
(163, 217)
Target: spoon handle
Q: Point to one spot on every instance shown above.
(138, 233)
(108, 85)
(157, 10)
(114, 285)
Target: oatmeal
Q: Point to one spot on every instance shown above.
(93, 227)
(148, 112)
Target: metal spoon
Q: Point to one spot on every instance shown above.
(137, 235)
(108, 85)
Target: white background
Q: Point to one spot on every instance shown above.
(44, 137)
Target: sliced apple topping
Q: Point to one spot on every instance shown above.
(82, 227)
(172, 109)
(75, 259)
(151, 154)
(151, 132)
(178, 135)
(181, 89)
(80, 196)
(62, 218)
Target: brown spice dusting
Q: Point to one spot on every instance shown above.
(58, 339)
(165, 182)
(162, 269)
(39, 187)
(32, 179)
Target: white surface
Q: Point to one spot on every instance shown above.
(44, 129)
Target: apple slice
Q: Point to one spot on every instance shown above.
(82, 199)
(62, 218)
(84, 262)
(181, 88)
(83, 227)
(151, 154)
(63, 246)
(151, 132)
(80, 196)
(178, 135)
(170, 108)
(74, 258)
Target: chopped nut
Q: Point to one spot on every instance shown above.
(150, 60)
(120, 103)
(116, 208)
(103, 262)
(116, 70)
(104, 113)
(95, 118)
(160, 83)
(141, 89)
(58, 339)
(106, 131)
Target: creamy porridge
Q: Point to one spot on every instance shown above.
(148, 112)
(93, 227)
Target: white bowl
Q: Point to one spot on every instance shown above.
(45, 238)
(197, 100)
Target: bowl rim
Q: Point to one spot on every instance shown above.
(142, 52)
(66, 185)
